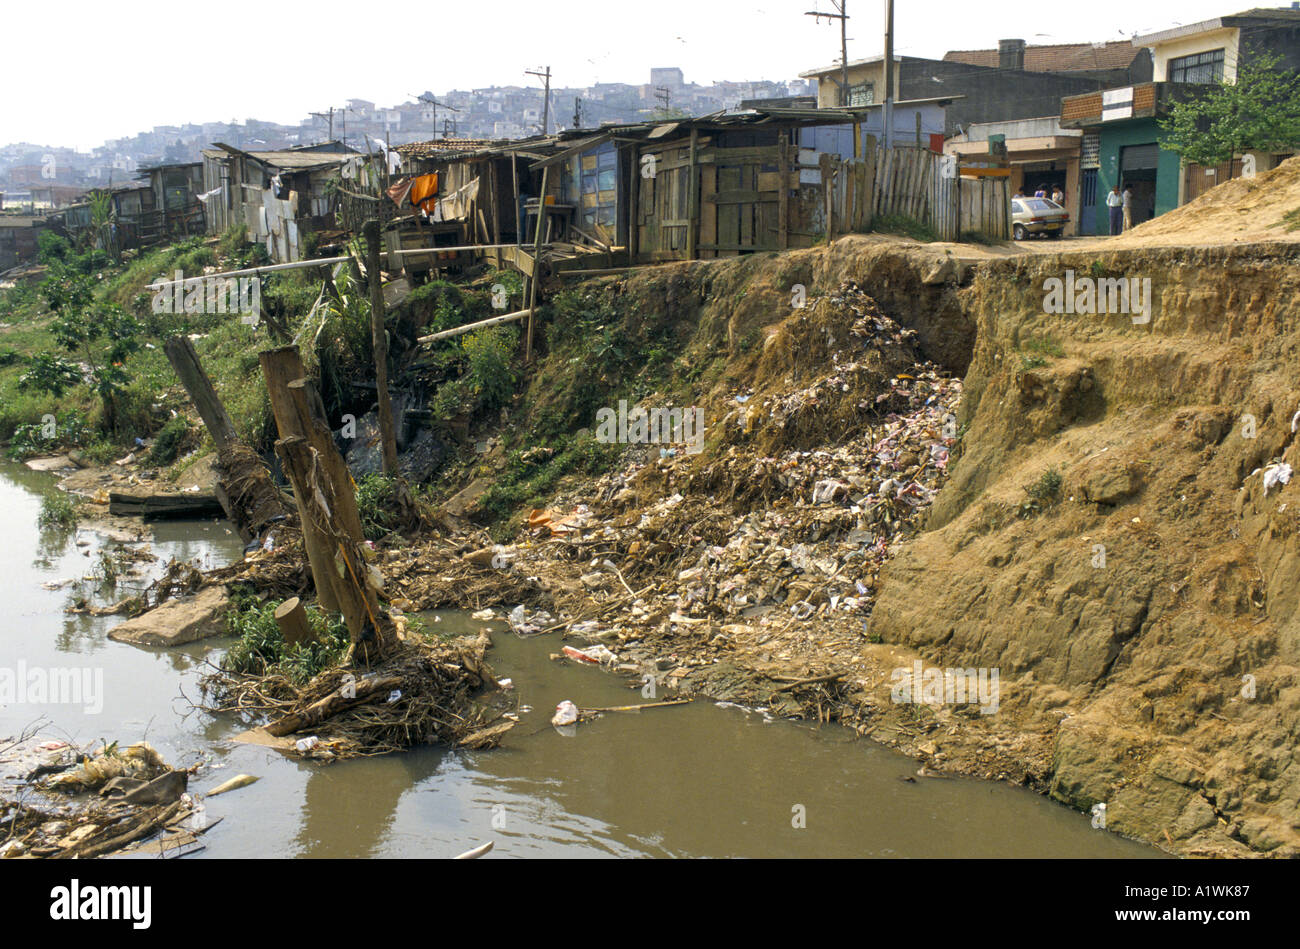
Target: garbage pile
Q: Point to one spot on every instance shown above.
(770, 541)
(802, 530)
(94, 804)
(421, 692)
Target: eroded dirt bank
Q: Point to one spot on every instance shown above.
(878, 488)
(1162, 678)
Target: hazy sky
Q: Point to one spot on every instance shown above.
(165, 62)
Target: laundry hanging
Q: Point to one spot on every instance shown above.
(424, 192)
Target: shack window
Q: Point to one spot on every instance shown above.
(598, 209)
(1200, 67)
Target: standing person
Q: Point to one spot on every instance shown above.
(1041, 192)
(1058, 196)
(1115, 202)
(1128, 207)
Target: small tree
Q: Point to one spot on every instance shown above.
(1259, 112)
(102, 334)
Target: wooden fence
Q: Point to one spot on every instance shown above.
(910, 182)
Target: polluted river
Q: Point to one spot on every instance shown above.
(700, 780)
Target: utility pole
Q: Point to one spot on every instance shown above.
(889, 75)
(546, 104)
(577, 113)
(329, 115)
(843, 17)
(664, 95)
(434, 103)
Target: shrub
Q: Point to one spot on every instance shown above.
(170, 440)
(376, 503)
(59, 511)
(260, 648)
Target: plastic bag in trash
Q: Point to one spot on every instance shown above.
(566, 713)
(1275, 475)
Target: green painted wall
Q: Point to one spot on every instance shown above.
(1118, 135)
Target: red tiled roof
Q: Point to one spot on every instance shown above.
(443, 146)
(1072, 57)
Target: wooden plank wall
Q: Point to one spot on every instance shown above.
(986, 207)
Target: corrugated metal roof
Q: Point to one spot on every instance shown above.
(288, 160)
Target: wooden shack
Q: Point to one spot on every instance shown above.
(281, 196)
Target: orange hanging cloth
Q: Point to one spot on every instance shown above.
(424, 192)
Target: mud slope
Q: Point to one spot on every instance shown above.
(1164, 673)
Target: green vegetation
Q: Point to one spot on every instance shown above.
(1292, 220)
(1043, 493)
(530, 476)
(260, 648)
(903, 225)
(1258, 112)
(1035, 351)
(86, 344)
(1043, 345)
(59, 511)
(377, 505)
(170, 440)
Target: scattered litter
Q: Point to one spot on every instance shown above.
(524, 623)
(596, 655)
(1275, 475)
(234, 784)
(307, 744)
(566, 713)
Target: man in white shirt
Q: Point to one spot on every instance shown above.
(1115, 202)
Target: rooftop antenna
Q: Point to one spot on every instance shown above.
(434, 103)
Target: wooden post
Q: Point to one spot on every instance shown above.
(783, 198)
(634, 207)
(344, 571)
(537, 264)
(326, 501)
(693, 205)
(279, 368)
(185, 360)
(379, 338)
(292, 620)
(828, 195)
(244, 488)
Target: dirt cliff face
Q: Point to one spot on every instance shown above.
(1144, 616)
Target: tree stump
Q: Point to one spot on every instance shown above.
(292, 620)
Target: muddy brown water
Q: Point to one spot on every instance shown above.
(698, 780)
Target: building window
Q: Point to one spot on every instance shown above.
(1202, 67)
(864, 93)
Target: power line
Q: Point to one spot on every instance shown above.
(843, 17)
